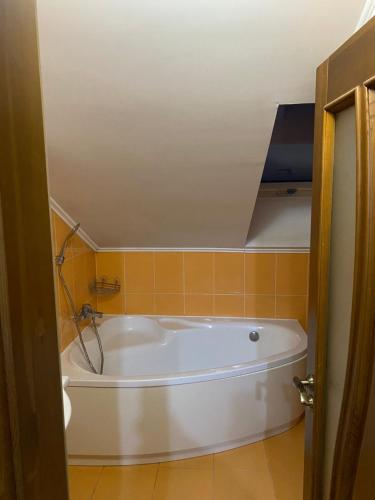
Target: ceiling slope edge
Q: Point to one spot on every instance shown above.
(71, 223)
(367, 13)
(87, 239)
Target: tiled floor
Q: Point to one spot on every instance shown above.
(268, 470)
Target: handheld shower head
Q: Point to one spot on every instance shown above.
(61, 256)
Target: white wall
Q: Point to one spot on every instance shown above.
(280, 222)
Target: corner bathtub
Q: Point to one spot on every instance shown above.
(179, 387)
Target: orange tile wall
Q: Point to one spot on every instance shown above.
(271, 285)
(79, 272)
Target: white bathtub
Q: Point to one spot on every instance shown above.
(178, 387)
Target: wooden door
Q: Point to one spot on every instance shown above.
(341, 325)
(32, 447)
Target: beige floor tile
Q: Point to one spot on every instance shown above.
(184, 484)
(205, 462)
(285, 458)
(243, 484)
(245, 456)
(126, 483)
(268, 470)
(82, 481)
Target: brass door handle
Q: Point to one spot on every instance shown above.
(303, 386)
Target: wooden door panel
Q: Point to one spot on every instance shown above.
(7, 480)
(343, 80)
(362, 335)
(27, 303)
(318, 285)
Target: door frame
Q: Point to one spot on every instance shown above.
(346, 78)
(29, 349)
(32, 447)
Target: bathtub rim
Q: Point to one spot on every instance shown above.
(79, 377)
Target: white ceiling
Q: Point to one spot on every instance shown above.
(158, 114)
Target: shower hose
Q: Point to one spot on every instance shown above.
(76, 319)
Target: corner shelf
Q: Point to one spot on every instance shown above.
(105, 287)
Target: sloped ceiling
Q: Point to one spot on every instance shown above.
(158, 114)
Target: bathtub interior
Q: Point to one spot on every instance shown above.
(140, 346)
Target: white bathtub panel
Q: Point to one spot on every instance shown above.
(135, 425)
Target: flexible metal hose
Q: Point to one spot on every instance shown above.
(76, 319)
(95, 328)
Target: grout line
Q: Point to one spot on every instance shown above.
(154, 288)
(292, 295)
(96, 265)
(307, 273)
(275, 284)
(154, 268)
(260, 294)
(214, 282)
(183, 282)
(230, 294)
(243, 290)
(155, 482)
(97, 483)
(213, 264)
(124, 273)
(124, 301)
(205, 294)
